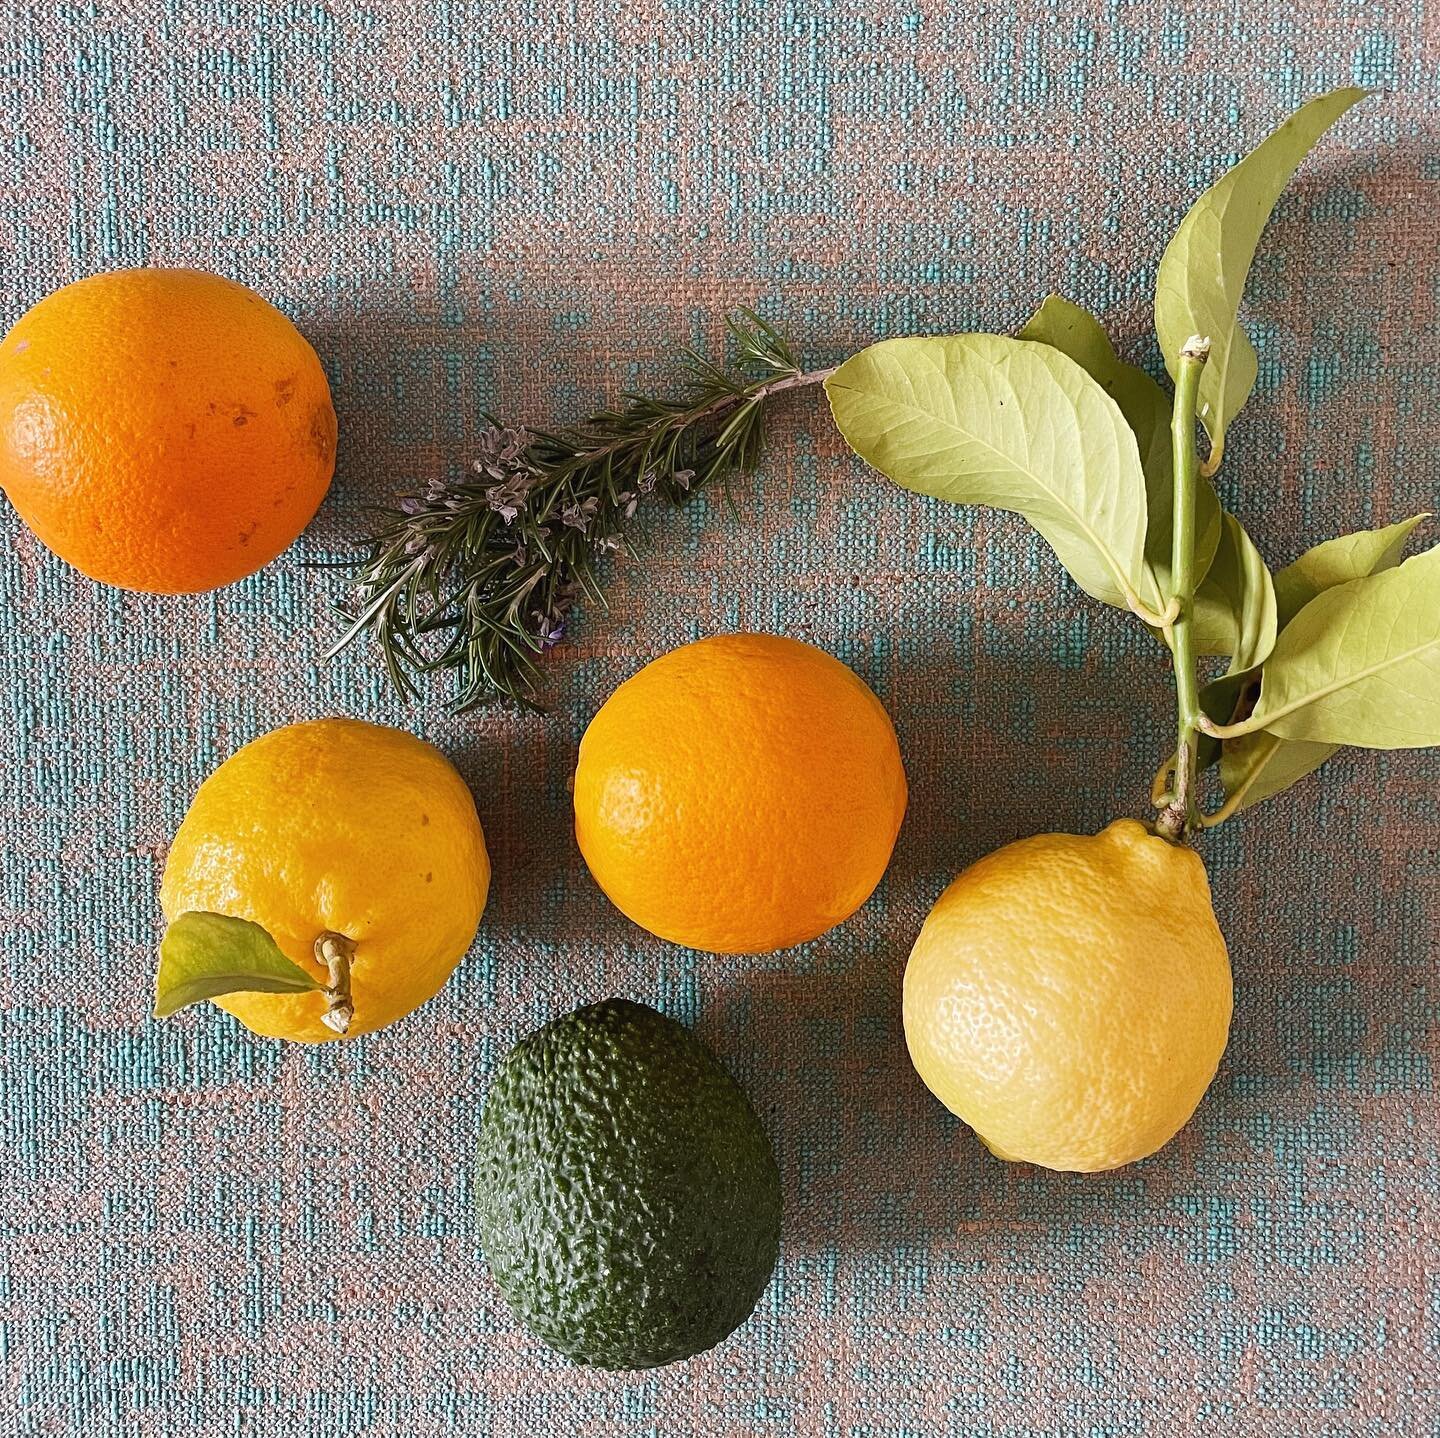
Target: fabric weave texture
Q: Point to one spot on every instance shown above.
(471, 207)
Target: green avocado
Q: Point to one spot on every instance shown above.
(629, 1198)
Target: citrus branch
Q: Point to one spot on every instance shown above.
(1182, 814)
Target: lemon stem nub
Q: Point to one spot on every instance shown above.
(335, 951)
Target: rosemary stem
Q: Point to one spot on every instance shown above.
(478, 576)
(717, 408)
(796, 381)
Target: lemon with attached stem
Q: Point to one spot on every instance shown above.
(326, 880)
(1069, 997)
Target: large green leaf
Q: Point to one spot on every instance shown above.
(1235, 606)
(981, 419)
(1258, 766)
(205, 955)
(1336, 561)
(1076, 332)
(1360, 663)
(1202, 274)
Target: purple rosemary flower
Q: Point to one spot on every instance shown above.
(477, 575)
(507, 500)
(579, 514)
(549, 628)
(504, 458)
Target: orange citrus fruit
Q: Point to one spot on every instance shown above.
(740, 794)
(1069, 997)
(163, 429)
(336, 828)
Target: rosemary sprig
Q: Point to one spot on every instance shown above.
(479, 577)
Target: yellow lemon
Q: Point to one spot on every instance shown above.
(351, 845)
(1069, 997)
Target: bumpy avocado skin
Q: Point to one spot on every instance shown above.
(629, 1198)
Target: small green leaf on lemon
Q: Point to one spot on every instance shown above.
(1235, 607)
(205, 955)
(1203, 271)
(1360, 663)
(1074, 331)
(982, 419)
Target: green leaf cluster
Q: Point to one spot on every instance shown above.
(1340, 647)
(1146, 408)
(1259, 765)
(983, 419)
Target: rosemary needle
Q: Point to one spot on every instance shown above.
(478, 578)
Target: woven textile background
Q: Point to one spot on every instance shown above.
(524, 209)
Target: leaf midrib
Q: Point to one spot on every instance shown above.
(1370, 672)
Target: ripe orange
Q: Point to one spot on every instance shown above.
(163, 430)
(740, 794)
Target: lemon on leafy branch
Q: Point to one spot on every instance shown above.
(1070, 997)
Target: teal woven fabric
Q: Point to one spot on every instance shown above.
(469, 207)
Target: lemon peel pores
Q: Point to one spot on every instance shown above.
(1069, 997)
